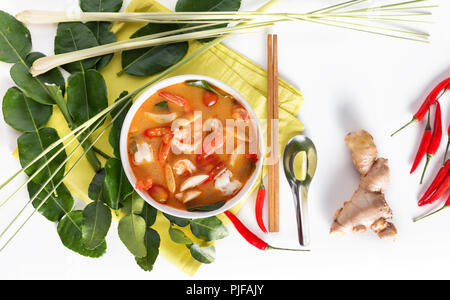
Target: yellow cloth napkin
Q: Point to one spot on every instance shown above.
(220, 63)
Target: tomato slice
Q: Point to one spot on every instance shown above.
(157, 131)
(209, 98)
(144, 184)
(159, 193)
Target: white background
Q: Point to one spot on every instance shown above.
(350, 80)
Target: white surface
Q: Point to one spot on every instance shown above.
(350, 80)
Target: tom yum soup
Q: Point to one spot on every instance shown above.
(192, 146)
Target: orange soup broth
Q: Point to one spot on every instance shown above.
(222, 110)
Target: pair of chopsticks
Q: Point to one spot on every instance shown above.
(272, 132)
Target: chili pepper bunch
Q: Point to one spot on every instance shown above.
(430, 143)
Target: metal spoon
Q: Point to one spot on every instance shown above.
(300, 187)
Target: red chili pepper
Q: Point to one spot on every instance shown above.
(448, 144)
(435, 138)
(215, 171)
(204, 160)
(439, 192)
(251, 237)
(157, 131)
(426, 138)
(259, 205)
(252, 156)
(431, 98)
(437, 180)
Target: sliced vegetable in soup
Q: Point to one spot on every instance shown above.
(192, 146)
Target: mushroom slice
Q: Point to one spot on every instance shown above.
(224, 183)
(144, 154)
(182, 166)
(188, 195)
(192, 182)
(161, 118)
(170, 179)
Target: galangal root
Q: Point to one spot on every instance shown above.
(368, 208)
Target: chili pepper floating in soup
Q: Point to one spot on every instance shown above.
(435, 138)
(204, 160)
(437, 180)
(159, 193)
(432, 97)
(251, 237)
(425, 142)
(217, 170)
(252, 156)
(259, 206)
(157, 131)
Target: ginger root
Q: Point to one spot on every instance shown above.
(368, 208)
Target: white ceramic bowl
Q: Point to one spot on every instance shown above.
(124, 153)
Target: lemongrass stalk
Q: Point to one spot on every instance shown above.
(345, 6)
(44, 165)
(43, 65)
(324, 22)
(332, 6)
(50, 179)
(387, 6)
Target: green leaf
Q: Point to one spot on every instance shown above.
(205, 85)
(178, 236)
(207, 6)
(86, 95)
(178, 221)
(103, 36)
(69, 230)
(153, 60)
(15, 39)
(205, 208)
(152, 243)
(209, 229)
(205, 255)
(96, 186)
(133, 205)
(95, 224)
(35, 87)
(75, 36)
(114, 134)
(132, 229)
(32, 144)
(22, 113)
(163, 105)
(149, 214)
(100, 5)
(56, 206)
(116, 188)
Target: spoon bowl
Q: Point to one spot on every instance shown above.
(300, 184)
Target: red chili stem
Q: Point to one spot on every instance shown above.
(424, 143)
(251, 237)
(259, 206)
(448, 144)
(437, 180)
(431, 98)
(430, 214)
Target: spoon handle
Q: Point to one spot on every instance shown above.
(301, 210)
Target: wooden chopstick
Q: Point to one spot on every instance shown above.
(272, 131)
